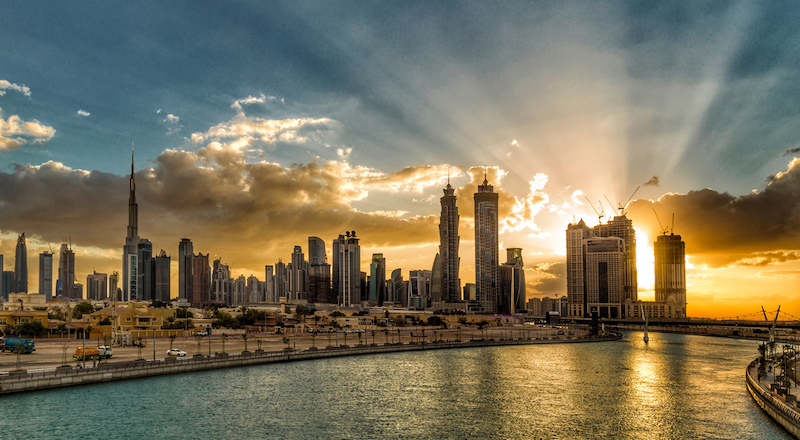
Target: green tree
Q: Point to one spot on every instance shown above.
(183, 313)
(83, 308)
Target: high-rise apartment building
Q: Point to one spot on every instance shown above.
(449, 242)
(161, 277)
(297, 275)
(66, 272)
(96, 286)
(145, 283)
(45, 274)
(20, 266)
(377, 279)
(601, 268)
(347, 269)
(512, 273)
(319, 273)
(670, 267)
(201, 281)
(3, 285)
(130, 252)
(114, 292)
(281, 284)
(185, 254)
(396, 292)
(269, 284)
(487, 261)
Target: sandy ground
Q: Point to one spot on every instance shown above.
(53, 352)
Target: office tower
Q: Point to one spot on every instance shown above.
(66, 271)
(221, 283)
(377, 279)
(281, 280)
(347, 269)
(161, 277)
(316, 251)
(470, 293)
(297, 275)
(21, 266)
(201, 281)
(145, 284)
(448, 247)
(45, 274)
(396, 293)
(130, 253)
(3, 285)
(512, 273)
(319, 284)
(670, 267)
(487, 260)
(8, 276)
(96, 286)
(584, 296)
(185, 253)
(436, 278)
(419, 282)
(114, 292)
(269, 284)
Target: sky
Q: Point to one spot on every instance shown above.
(257, 125)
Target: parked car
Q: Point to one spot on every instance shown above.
(202, 333)
(175, 352)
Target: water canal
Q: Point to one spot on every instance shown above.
(675, 387)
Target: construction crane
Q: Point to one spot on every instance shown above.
(663, 229)
(600, 214)
(620, 207)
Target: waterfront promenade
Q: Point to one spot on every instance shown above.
(777, 402)
(68, 375)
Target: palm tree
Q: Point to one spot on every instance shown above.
(245, 337)
(171, 340)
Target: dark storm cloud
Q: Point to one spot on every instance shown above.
(792, 151)
(721, 228)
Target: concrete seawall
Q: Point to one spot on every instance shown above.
(23, 381)
(784, 412)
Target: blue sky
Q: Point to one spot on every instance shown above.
(380, 101)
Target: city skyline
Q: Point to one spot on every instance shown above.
(254, 134)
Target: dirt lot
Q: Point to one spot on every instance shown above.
(51, 353)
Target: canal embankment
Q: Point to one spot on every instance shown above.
(776, 401)
(66, 376)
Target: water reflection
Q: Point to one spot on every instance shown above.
(675, 387)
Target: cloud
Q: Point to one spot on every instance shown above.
(14, 132)
(766, 258)
(722, 229)
(551, 278)
(83, 113)
(5, 85)
(792, 151)
(250, 100)
(173, 124)
(412, 179)
(652, 182)
(246, 133)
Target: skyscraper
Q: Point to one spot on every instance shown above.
(161, 277)
(601, 274)
(670, 268)
(130, 252)
(201, 281)
(487, 261)
(96, 286)
(3, 285)
(319, 273)
(145, 284)
(297, 275)
(66, 271)
(347, 269)
(281, 280)
(269, 284)
(185, 255)
(46, 274)
(512, 273)
(377, 279)
(114, 292)
(20, 283)
(448, 247)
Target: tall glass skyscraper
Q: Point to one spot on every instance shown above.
(46, 274)
(20, 283)
(130, 252)
(448, 247)
(487, 261)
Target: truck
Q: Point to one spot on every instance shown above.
(101, 352)
(12, 344)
